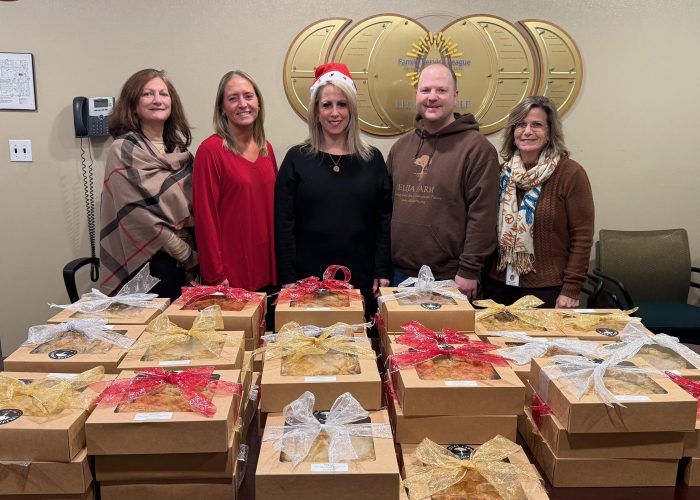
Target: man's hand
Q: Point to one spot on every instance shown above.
(564, 302)
(467, 287)
(377, 283)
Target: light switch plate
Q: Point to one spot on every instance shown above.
(20, 150)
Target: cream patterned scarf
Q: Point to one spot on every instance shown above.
(516, 224)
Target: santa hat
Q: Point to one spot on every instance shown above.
(332, 72)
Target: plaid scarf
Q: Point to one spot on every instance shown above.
(516, 224)
(146, 196)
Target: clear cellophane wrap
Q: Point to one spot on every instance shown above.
(171, 342)
(302, 429)
(48, 397)
(132, 294)
(91, 332)
(194, 387)
(520, 315)
(196, 293)
(571, 319)
(692, 387)
(533, 347)
(345, 329)
(442, 470)
(424, 285)
(309, 286)
(446, 335)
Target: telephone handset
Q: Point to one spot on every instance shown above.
(91, 115)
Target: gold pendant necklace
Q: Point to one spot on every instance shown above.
(336, 164)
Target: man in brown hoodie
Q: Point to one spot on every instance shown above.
(445, 176)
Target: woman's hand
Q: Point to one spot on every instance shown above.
(564, 302)
(379, 282)
(193, 261)
(288, 285)
(224, 283)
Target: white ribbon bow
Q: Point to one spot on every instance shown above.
(92, 328)
(537, 347)
(302, 428)
(424, 283)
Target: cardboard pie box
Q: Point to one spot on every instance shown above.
(595, 472)
(230, 358)
(61, 437)
(385, 338)
(412, 465)
(321, 310)
(112, 431)
(250, 318)
(250, 403)
(372, 479)
(601, 332)
(278, 390)
(446, 429)
(670, 410)
(691, 442)
(484, 332)
(172, 489)
(432, 310)
(47, 478)
(691, 474)
(503, 395)
(116, 314)
(667, 360)
(69, 359)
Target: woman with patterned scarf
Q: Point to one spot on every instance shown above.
(545, 225)
(146, 211)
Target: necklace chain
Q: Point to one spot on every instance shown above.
(336, 164)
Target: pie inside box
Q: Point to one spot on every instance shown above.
(47, 478)
(374, 475)
(321, 308)
(158, 419)
(594, 324)
(72, 352)
(116, 314)
(433, 310)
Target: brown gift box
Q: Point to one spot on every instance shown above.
(484, 332)
(672, 411)
(691, 442)
(376, 479)
(61, 437)
(602, 332)
(432, 310)
(412, 465)
(111, 432)
(691, 474)
(250, 319)
(321, 310)
(47, 478)
(116, 314)
(446, 429)
(67, 360)
(277, 390)
(230, 358)
(595, 472)
(172, 489)
(502, 396)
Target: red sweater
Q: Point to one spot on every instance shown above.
(233, 214)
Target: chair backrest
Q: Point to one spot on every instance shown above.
(653, 265)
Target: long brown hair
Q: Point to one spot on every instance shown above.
(176, 130)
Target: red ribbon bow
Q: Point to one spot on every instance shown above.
(190, 382)
(446, 336)
(196, 291)
(691, 386)
(427, 349)
(311, 284)
(539, 408)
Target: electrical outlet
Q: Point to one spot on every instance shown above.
(20, 150)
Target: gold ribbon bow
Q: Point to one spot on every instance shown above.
(522, 309)
(443, 470)
(587, 321)
(48, 397)
(167, 334)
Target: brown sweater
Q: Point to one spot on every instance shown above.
(563, 232)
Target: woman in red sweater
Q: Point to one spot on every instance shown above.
(545, 225)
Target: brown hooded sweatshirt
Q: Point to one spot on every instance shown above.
(445, 199)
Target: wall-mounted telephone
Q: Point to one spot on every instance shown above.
(91, 115)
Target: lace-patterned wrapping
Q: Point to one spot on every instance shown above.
(293, 344)
(93, 329)
(584, 321)
(426, 349)
(692, 387)
(48, 397)
(534, 347)
(133, 294)
(424, 283)
(167, 334)
(317, 331)
(191, 382)
(443, 469)
(523, 309)
(310, 285)
(301, 428)
(446, 335)
(196, 291)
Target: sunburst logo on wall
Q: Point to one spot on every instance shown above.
(497, 65)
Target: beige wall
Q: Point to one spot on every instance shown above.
(634, 126)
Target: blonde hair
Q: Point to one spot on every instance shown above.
(221, 126)
(356, 145)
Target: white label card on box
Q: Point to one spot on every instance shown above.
(318, 308)
(632, 398)
(179, 362)
(675, 372)
(329, 467)
(505, 334)
(321, 378)
(156, 415)
(461, 383)
(67, 376)
(512, 276)
(585, 311)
